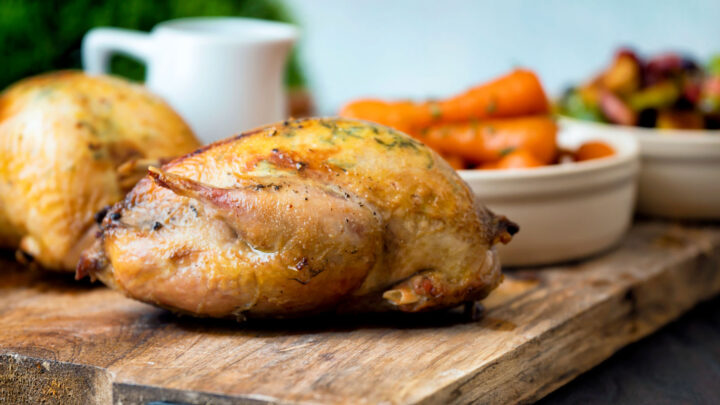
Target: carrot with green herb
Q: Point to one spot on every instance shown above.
(516, 94)
(404, 116)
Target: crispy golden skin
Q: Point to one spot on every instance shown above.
(62, 138)
(301, 217)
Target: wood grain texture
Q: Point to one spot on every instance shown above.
(679, 364)
(542, 328)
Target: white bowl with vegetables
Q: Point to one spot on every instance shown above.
(565, 211)
(671, 105)
(680, 169)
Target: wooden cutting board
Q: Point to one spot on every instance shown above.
(68, 342)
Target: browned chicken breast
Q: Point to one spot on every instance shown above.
(63, 137)
(301, 217)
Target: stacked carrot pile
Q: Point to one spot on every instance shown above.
(505, 123)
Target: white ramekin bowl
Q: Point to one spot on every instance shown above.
(680, 173)
(567, 211)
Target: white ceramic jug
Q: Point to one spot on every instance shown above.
(223, 75)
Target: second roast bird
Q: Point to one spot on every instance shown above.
(67, 146)
(301, 217)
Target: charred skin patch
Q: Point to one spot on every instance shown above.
(305, 271)
(91, 263)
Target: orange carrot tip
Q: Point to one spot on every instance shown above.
(593, 150)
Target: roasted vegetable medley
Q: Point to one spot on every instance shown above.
(667, 91)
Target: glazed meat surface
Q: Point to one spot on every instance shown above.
(301, 217)
(63, 137)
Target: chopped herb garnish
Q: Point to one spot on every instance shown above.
(491, 107)
(507, 151)
(352, 132)
(380, 141)
(435, 111)
(326, 124)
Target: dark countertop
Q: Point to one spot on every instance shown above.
(679, 364)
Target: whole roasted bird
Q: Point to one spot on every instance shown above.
(70, 144)
(301, 217)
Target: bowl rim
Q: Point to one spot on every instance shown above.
(665, 136)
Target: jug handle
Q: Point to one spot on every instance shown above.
(99, 44)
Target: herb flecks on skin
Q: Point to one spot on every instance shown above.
(264, 167)
(343, 133)
(340, 133)
(398, 140)
(44, 92)
(326, 124)
(341, 164)
(352, 132)
(271, 186)
(90, 127)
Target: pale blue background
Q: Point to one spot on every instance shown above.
(426, 48)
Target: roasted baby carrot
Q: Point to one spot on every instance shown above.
(516, 94)
(518, 159)
(404, 116)
(490, 140)
(593, 150)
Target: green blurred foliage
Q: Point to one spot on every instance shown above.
(38, 36)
